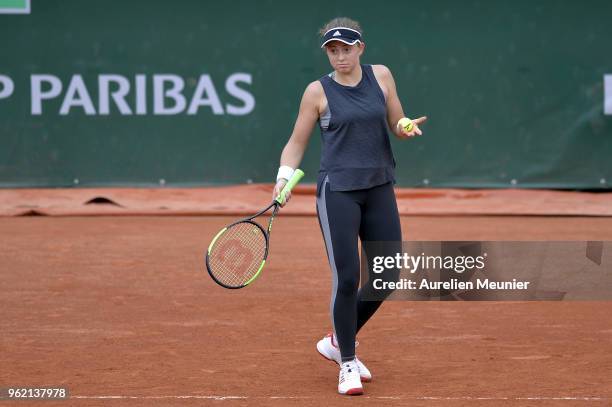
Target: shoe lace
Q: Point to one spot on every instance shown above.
(347, 369)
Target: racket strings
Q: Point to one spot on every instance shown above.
(237, 254)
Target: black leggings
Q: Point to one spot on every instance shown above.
(370, 214)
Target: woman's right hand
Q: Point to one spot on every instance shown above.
(280, 184)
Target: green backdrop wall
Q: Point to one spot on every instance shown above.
(516, 91)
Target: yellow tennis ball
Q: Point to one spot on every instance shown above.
(406, 123)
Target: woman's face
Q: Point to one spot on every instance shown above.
(343, 57)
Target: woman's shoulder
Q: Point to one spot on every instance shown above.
(383, 77)
(381, 70)
(314, 96)
(314, 88)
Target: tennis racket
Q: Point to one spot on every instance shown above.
(238, 253)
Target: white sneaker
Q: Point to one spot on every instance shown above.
(348, 379)
(329, 350)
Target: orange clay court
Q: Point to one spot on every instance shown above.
(120, 309)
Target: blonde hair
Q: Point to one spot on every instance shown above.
(340, 22)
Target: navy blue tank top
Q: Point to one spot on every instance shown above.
(355, 147)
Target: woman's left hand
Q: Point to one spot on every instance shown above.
(416, 131)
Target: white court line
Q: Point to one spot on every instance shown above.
(162, 397)
(433, 398)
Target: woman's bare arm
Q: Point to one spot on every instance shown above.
(296, 146)
(307, 117)
(394, 106)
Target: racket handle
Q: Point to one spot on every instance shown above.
(295, 178)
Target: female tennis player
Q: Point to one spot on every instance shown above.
(354, 106)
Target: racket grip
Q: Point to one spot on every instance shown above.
(295, 178)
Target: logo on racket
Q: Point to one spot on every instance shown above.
(235, 256)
